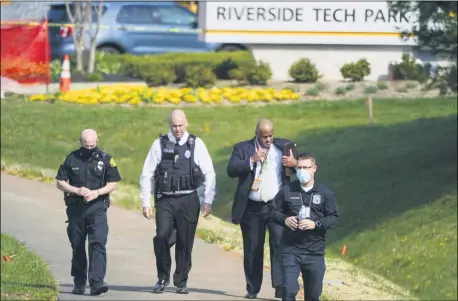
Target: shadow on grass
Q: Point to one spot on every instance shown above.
(377, 172)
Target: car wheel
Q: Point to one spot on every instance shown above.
(109, 49)
(230, 48)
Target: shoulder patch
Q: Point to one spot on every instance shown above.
(112, 162)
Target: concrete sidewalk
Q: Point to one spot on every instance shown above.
(34, 213)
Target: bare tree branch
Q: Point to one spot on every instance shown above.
(69, 13)
(99, 18)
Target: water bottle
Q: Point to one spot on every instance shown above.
(302, 213)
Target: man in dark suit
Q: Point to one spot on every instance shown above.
(261, 169)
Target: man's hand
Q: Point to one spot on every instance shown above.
(92, 195)
(289, 161)
(82, 191)
(206, 209)
(260, 155)
(307, 224)
(291, 222)
(147, 212)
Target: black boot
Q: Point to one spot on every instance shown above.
(98, 287)
(159, 287)
(79, 289)
(80, 286)
(182, 289)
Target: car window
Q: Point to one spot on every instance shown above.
(135, 14)
(174, 15)
(58, 13)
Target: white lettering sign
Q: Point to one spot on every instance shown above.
(314, 22)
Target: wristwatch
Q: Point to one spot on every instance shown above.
(318, 223)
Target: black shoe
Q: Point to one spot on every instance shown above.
(79, 289)
(182, 289)
(98, 287)
(279, 292)
(251, 296)
(160, 286)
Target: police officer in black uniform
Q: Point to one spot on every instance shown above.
(87, 177)
(177, 163)
(307, 209)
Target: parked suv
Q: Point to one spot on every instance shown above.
(136, 28)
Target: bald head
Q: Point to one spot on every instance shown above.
(265, 132)
(264, 125)
(178, 123)
(88, 138)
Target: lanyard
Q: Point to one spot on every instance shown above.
(310, 201)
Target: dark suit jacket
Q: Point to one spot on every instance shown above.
(239, 167)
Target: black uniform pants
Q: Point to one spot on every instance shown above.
(88, 220)
(254, 223)
(312, 268)
(180, 213)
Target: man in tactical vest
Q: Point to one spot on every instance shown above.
(177, 163)
(87, 177)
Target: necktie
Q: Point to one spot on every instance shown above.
(265, 169)
(177, 140)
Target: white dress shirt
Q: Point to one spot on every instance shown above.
(274, 181)
(201, 157)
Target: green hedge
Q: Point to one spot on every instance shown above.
(148, 67)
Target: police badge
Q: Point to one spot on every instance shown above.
(316, 199)
(187, 154)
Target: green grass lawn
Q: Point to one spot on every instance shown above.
(395, 181)
(25, 276)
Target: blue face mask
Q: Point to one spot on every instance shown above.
(303, 175)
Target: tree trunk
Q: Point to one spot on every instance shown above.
(93, 34)
(77, 32)
(91, 60)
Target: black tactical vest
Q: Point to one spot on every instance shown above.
(177, 170)
(89, 173)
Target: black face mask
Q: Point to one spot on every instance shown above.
(87, 153)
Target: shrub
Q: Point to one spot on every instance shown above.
(239, 75)
(350, 87)
(222, 69)
(55, 69)
(321, 86)
(304, 71)
(260, 74)
(411, 85)
(199, 76)
(370, 89)
(356, 71)
(219, 62)
(340, 91)
(312, 91)
(253, 74)
(409, 69)
(382, 85)
(161, 75)
(94, 77)
(444, 79)
(402, 90)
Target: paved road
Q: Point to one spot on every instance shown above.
(34, 212)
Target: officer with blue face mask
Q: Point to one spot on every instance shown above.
(307, 209)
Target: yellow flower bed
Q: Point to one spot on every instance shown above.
(135, 95)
